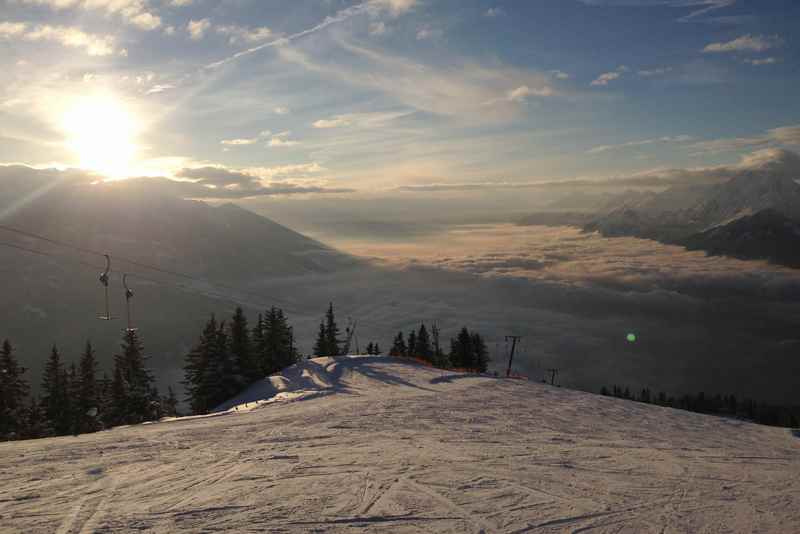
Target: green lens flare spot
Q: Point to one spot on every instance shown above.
(631, 338)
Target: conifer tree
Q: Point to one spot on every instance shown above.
(321, 344)
(132, 387)
(54, 395)
(229, 383)
(422, 348)
(411, 349)
(88, 399)
(376, 349)
(331, 333)
(278, 341)
(197, 369)
(241, 349)
(13, 390)
(480, 354)
(461, 351)
(370, 348)
(399, 347)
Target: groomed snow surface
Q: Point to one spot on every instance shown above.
(378, 444)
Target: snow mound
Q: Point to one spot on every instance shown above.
(352, 374)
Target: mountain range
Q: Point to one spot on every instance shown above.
(753, 215)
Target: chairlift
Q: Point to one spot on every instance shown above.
(104, 281)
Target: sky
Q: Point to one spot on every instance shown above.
(244, 99)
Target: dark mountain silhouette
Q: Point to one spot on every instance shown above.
(768, 234)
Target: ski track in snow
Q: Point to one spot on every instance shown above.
(395, 447)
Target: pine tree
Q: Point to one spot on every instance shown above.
(422, 347)
(461, 351)
(13, 390)
(331, 333)
(229, 383)
(241, 349)
(376, 349)
(321, 344)
(411, 350)
(278, 341)
(196, 369)
(370, 348)
(88, 398)
(480, 354)
(54, 395)
(399, 347)
(132, 387)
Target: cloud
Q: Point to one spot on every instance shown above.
(378, 28)
(373, 8)
(334, 122)
(560, 75)
(745, 43)
(240, 34)
(660, 71)
(427, 32)
(764, 61)
(362, 120)
(198, 28)
(786, 135)
(224, 183)
(280, 110)
(277, 142)
(700, 7)
(657, 140)
(180, 3)
(95, 45)
(494, 12)
(607, 77)
(12, 29)
(449, 90)
(134, 12)
(394, 7)
(247, 140)
(159, 88)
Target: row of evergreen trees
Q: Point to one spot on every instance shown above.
(726, 405)
(73, 400)
(229, 357)
(467, 350)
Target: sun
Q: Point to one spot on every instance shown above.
(101, 133)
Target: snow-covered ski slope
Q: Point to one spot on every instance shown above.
(376, 444)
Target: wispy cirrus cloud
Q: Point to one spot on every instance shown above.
(783, 136)
(698, 8)
(658, 140)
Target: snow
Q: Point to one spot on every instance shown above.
(378, 444)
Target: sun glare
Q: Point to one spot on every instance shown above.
(101, 133)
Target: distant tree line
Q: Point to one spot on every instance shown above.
(725, 405)
(468, 350)
(74, 400)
